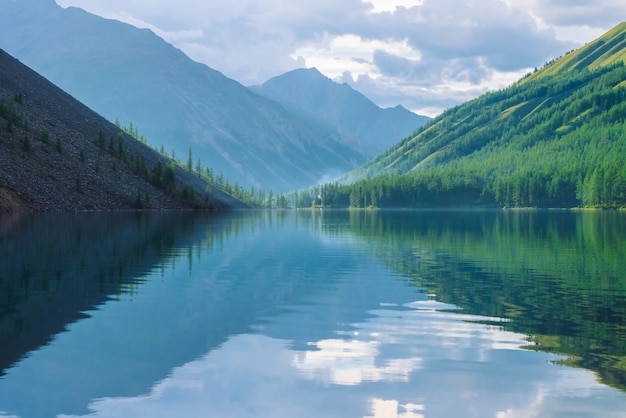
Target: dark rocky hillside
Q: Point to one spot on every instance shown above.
(50, 159)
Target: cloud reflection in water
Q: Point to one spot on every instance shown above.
(352, 363)
(408, 362)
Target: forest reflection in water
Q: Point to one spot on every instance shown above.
(558, 276)
(347, 313)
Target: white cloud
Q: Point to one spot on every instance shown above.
(352, 54)
(578, 21)
(424, 54)
(390, 6)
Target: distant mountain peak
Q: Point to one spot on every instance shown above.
(311, 71)
(300, 75)
(371, 127)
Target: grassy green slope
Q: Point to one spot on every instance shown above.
(606, 50)
(555, 138)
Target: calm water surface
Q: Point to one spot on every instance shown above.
(313, 314)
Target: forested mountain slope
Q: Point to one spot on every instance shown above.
(357, 118)
(556, 138)
(132, 74)
(58, 155)
(606, 50)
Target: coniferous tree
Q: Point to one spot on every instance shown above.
(169, 176)
(189, 165)
(121, 152)
(157, 174)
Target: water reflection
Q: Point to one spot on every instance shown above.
(427, 331)
(218, 277)
(253, 375)
(557, 276)
(392, 409)
(55, 268)
(352, 362)
(333, 314)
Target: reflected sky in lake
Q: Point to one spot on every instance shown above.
(280, 315)
(410, 363)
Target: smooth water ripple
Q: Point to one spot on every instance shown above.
(309, 314)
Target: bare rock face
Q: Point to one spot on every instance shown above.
(57, 154)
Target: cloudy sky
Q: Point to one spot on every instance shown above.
(427, 55)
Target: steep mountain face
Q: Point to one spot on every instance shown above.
(358, 118)
(131, 74)
(556, 138)
(58, 155)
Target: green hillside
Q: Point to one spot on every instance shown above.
(556, 138)
(606, 50)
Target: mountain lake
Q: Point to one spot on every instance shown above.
(313, 313)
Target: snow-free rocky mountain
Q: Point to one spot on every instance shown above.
(134, 76)
(357, 117)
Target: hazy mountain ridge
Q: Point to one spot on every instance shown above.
(358, 118)
(556, 138)
(51, 160)
(131, 74)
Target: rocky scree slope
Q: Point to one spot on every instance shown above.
(50, 159)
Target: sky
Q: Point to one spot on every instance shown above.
(427, 55)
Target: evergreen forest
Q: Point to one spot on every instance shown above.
(556, 138)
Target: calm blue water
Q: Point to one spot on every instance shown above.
(313, 314)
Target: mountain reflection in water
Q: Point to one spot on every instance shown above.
(311, 313)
